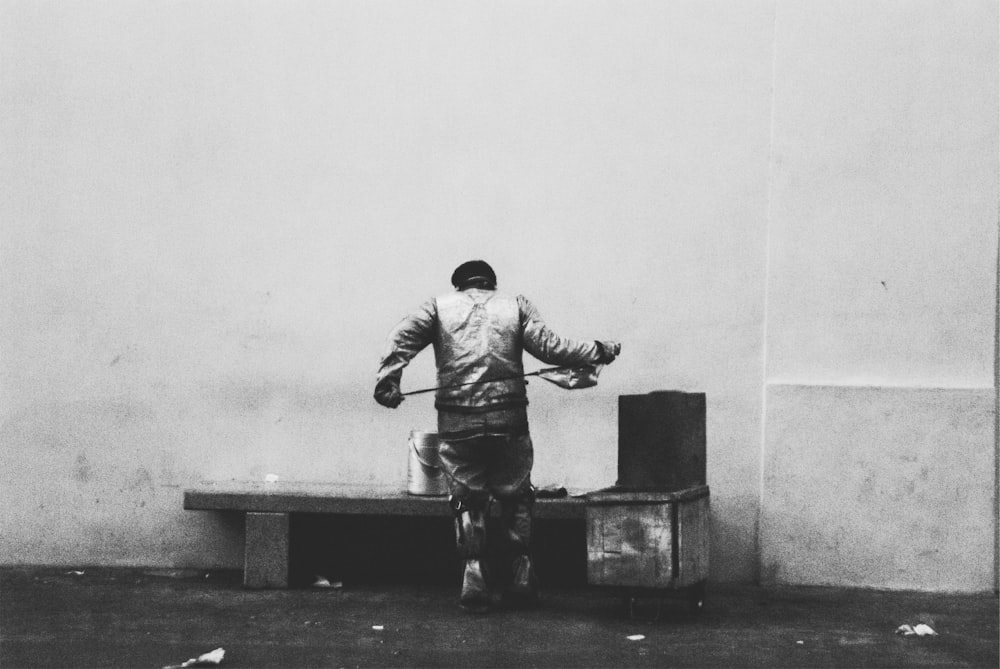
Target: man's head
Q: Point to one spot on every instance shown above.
(474, 274)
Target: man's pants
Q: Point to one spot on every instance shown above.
(493, 466)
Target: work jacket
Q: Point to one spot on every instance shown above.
(478, 337)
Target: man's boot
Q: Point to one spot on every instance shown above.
(475, 596)
(522, 590)
(470, 539)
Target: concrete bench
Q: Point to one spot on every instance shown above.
(269, 506)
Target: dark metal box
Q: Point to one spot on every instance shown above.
(661, 440)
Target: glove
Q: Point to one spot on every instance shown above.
(607, 351)
(387, 393)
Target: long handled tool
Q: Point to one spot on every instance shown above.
(584, 376)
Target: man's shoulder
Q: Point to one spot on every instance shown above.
(514, 298)
(524, 302)
(473, 293)
(464, 299)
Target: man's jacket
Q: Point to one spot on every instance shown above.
(478, 337)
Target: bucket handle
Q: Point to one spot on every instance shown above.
(416, 454)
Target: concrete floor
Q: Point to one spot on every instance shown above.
(135, 618)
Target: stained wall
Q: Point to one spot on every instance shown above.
(213, 214)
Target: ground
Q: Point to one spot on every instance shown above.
(148, 618)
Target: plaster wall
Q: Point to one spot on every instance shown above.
(215, 213)
(878, 487)
(880, 405)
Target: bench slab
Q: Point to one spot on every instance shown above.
(342, 499)
(268, 506)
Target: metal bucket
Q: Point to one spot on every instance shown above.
(424, 476)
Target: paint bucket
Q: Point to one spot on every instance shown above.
(424, 476)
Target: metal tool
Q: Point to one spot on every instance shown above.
(583, 376)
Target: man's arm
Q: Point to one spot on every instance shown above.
(550, 348)
(410, 336)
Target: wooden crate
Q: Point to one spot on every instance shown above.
(648, 539)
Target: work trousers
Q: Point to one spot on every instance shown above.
(489, 456)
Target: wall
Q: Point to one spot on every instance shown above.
(222, 210)
(878, 458)
(213, 214)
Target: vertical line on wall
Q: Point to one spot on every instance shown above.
(996, 419)
(996, 400)
(758, 547)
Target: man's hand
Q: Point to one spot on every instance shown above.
(387, 393)
(608, 351)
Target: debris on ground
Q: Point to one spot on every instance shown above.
(209, 659)
(175, 573)
(920, 629)
(324, 582)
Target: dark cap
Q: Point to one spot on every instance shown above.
(473, 271)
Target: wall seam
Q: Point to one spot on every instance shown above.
(890, 386)
(996, 393)
(996, 414)
(758, 545)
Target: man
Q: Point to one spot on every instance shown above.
(479, 335)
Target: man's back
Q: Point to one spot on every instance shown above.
(478, 346)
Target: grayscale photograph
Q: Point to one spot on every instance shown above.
(499, 333)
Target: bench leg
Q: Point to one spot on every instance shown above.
(266, 551)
